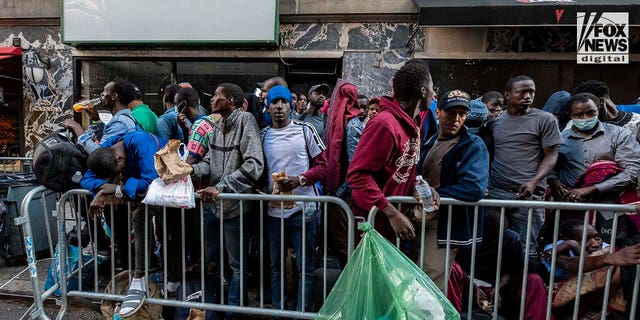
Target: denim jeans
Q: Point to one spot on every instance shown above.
(517, 217)
(231, 241)
(292, 231)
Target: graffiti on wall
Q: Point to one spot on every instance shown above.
(47, 80)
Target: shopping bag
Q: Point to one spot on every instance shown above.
(176, 195)
(381, 283)
(170, 164)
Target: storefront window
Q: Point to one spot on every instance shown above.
(204, 76)
(147, 75)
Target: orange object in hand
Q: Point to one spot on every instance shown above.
(86, 105)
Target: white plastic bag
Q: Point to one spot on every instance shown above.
(176, 195)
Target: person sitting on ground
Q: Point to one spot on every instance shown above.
(122, 168)
(595, 262)
(511, 269)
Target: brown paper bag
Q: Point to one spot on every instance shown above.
(169, 165)
(277, 177)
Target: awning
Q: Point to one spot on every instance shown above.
(517, 12)
(9, 52)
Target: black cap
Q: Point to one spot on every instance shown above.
(319, 87)
(454, 98)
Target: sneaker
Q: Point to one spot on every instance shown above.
(88, 251)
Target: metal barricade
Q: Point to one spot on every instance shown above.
(74, 201)
(16, 165)
(503, 205)
(37, 309)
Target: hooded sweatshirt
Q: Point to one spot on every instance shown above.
(384, 163)
(344, 107)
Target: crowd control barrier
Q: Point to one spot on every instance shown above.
(36, 310)
(74, 202)
(404, 203)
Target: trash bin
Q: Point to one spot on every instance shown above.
(13, 189)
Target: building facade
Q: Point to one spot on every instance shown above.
(363, 41)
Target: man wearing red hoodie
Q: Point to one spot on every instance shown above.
(384, 163)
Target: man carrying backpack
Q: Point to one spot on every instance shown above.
(116, 96)
(122, 169)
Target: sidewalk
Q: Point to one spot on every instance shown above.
(16, 295)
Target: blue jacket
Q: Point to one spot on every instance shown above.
(464, 176)
(139, 171)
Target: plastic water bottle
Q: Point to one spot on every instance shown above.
(424, 190)
(86, 104)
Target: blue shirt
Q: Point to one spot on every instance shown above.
(607, 142)
(121, 123)
(140, 148)
(167, 126)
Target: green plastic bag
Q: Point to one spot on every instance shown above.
(380, 283)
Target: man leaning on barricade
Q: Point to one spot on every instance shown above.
(122, 169)
(233, 164)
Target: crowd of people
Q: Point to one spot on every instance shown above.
(578, 148)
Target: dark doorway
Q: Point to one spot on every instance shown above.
(11, 113)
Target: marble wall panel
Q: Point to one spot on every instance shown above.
(373, 52)
(352, 36)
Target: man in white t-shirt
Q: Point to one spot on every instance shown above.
(295, 148)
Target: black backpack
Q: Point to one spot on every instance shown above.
(56, 159)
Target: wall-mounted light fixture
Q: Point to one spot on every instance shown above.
(35, 65)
